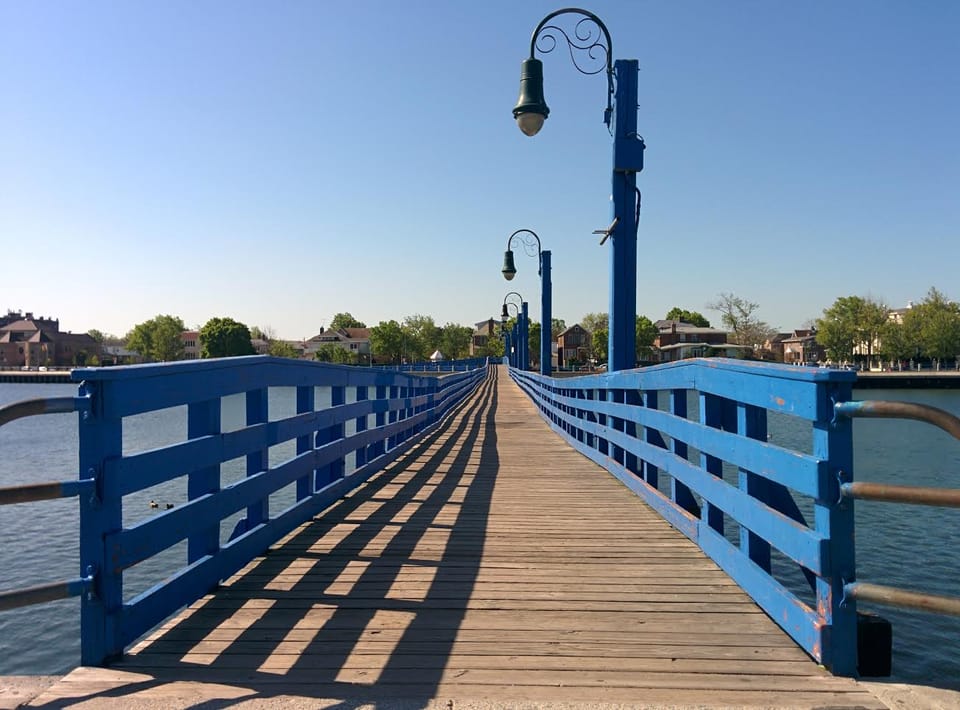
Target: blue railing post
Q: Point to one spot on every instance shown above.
(361, 425)
(335, 469)
(380, 419)
(257, 413)
(711, 415)
(203, 419)
(752, 423)
(833, 515)
(101, 441)
(546, 315)
(679, 492)
(306, 402)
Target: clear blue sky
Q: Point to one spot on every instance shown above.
(278, 162)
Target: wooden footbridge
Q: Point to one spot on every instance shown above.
(490, 562)
(486, 537)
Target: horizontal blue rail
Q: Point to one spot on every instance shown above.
(387, 411)
(692, 439)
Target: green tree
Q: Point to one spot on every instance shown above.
(936, 321)
(492, 348)
(421, 337)
(691, 317)
(97, 335)
(386, 341)
(599, 339)
(345, 320)
(331, 352)
(455, 341)
(898, 342)
(158, 339)
(557, 326)
(281, 348)
(737, 314)
(225, 337)
(646, 335)
(533, 343)
(852, 325)
(594, 321)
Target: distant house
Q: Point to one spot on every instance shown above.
(26, 341)
(573, 346)
(353, 340)
(678, 340)
(482, 332)
(119, 355)
(802, 347)
(191, 344)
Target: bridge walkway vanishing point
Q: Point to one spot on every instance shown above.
(492, 564)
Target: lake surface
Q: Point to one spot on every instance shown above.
(904, 546)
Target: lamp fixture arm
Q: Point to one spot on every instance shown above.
(582, 41)
(527, 245)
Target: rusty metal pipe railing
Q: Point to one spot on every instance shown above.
(10, 495)
(42, 593)
(914, 495)
(892, 596)
(48, 405)
(901, 410)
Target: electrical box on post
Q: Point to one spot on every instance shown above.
(628, 154)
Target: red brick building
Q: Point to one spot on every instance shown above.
(26, 341)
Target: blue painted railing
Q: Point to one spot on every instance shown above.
(439, 366)
(388, 411)
(691, 438)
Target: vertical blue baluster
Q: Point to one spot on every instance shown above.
(394, 416)
(380, 447)
(679, 492)
(335, 469)
(615, 423)
(833, 442)
(203, 419)
(752, 423)
(711, 414)
(259, 460)
(306, 402)
(651, 474)
(361, 425)
(101, 440)
(634, 399)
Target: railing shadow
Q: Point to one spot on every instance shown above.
(362, 605)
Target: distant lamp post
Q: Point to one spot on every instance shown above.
(519, 333)
(620, 116)
(529, 239)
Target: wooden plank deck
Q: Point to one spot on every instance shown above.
(491, 565)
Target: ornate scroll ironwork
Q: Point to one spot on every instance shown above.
(590, 37)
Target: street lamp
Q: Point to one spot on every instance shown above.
(620, 116)
(519, 333)
(526, 237)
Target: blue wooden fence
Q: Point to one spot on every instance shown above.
(691, 438)
(387, 411)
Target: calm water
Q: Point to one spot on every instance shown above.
(903, 546)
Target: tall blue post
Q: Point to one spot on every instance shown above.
(627, 162)
(507, 347)
(525, 336)
(546, 314)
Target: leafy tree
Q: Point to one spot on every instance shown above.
(331, 352)
(898, 342)
(345, 320)
(599, 342)
(691, 317)
(387, 341)
(851, 325)
(533, 343)
(557, 326)
(594, 321)
(493, 348)
(936, 321)
(737, 314)
(225, 337)
(421, 337)
(158, 339)
(281, 348)
(646, 335)
(97, 335)
(455, 341)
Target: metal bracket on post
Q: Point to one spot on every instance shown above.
(608, 231)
